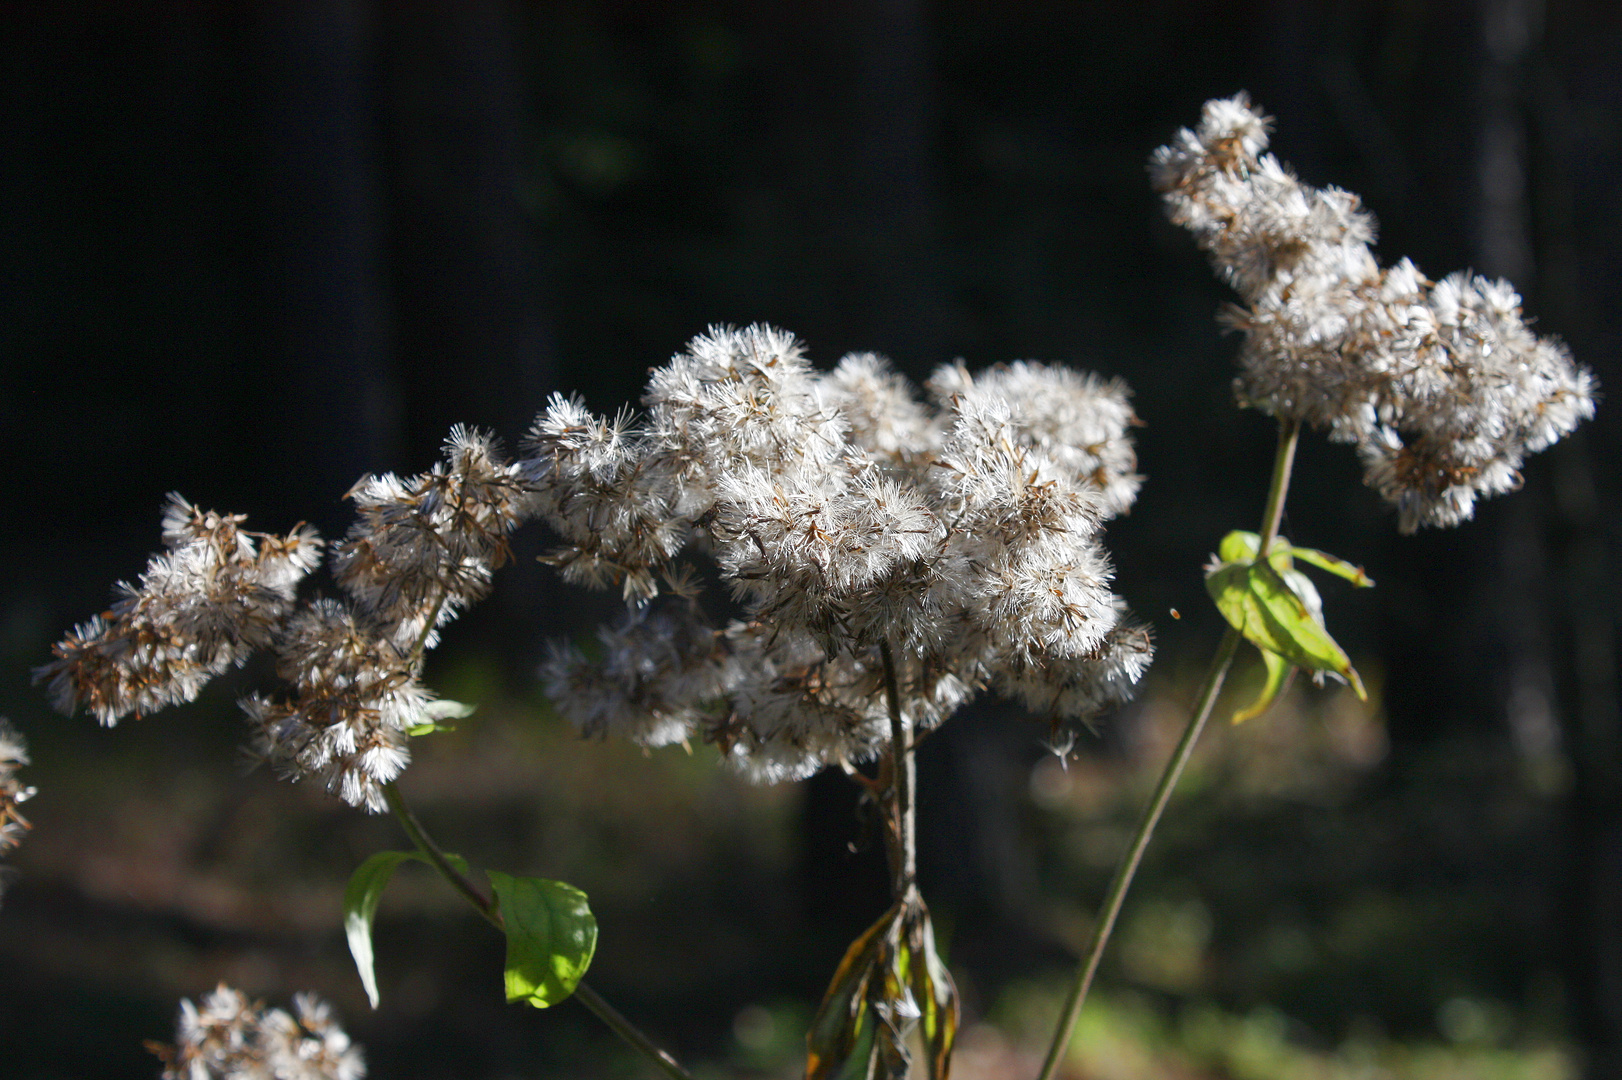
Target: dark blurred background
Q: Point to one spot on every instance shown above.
(250, 251)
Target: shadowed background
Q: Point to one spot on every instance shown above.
(250, 251)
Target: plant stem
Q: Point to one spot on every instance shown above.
(431, 851)
(904, 784)
(1129, 865)
(420, 646)
(1289, 433)
(629, 1032)
(490, 910)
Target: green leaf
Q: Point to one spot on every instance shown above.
(1338, 567)
(1305, 591)
(1277, 609)
(863, 1048)
(1298, 636)
(843, 1036)
(1278, 670)
(890, 986)
(365, 889)
(445, 709)
(437, 710)
(551, 936)
(1258, 603)
(1239, 546)
(936, 995)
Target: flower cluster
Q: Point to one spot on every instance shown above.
(423, 548)
(230, 1038)
(13, 753)
(1440, 385)
(954, 543)
(214, 596)
(850, 519)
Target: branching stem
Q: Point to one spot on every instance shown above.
(488, 908)
(1272, 516)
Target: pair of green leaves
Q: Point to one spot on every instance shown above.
(1277, 609)
(551, 933)
(890, 987)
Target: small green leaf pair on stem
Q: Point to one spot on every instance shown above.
(550, 930)
(1269, 603)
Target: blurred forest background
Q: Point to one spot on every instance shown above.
(252, 250)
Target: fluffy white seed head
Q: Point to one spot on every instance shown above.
(201, 607)
(1441, 386)
(228, 1037)
(738, 398)
(659, 676)
(884, 419)
(845, 515)
(1070, 692)
(600, 484)
(426, 546)
(355, 696)
(841, 565)
(13, 793)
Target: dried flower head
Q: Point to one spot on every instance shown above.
(13, 754)
(1441, 385)
(228, 1037)
(423, 548)
(13, 826)
(848, 518)
(658, 669)
(426, 547)
(200, 608)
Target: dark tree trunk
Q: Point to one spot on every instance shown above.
(472, 332)
(1557, 612)
(323, 314)
(473, 338)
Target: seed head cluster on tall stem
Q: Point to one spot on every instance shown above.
(1441, 386)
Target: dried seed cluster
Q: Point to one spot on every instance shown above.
(845, 514)
(1441, 385)
(202, 606)
(13, 826)
(422, 550)
(228, 1037)
(424, 547)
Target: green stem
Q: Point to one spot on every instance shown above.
(491, 911)
(431, 851)
(1289, 434)
(1140, 841)
(628, 1031)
